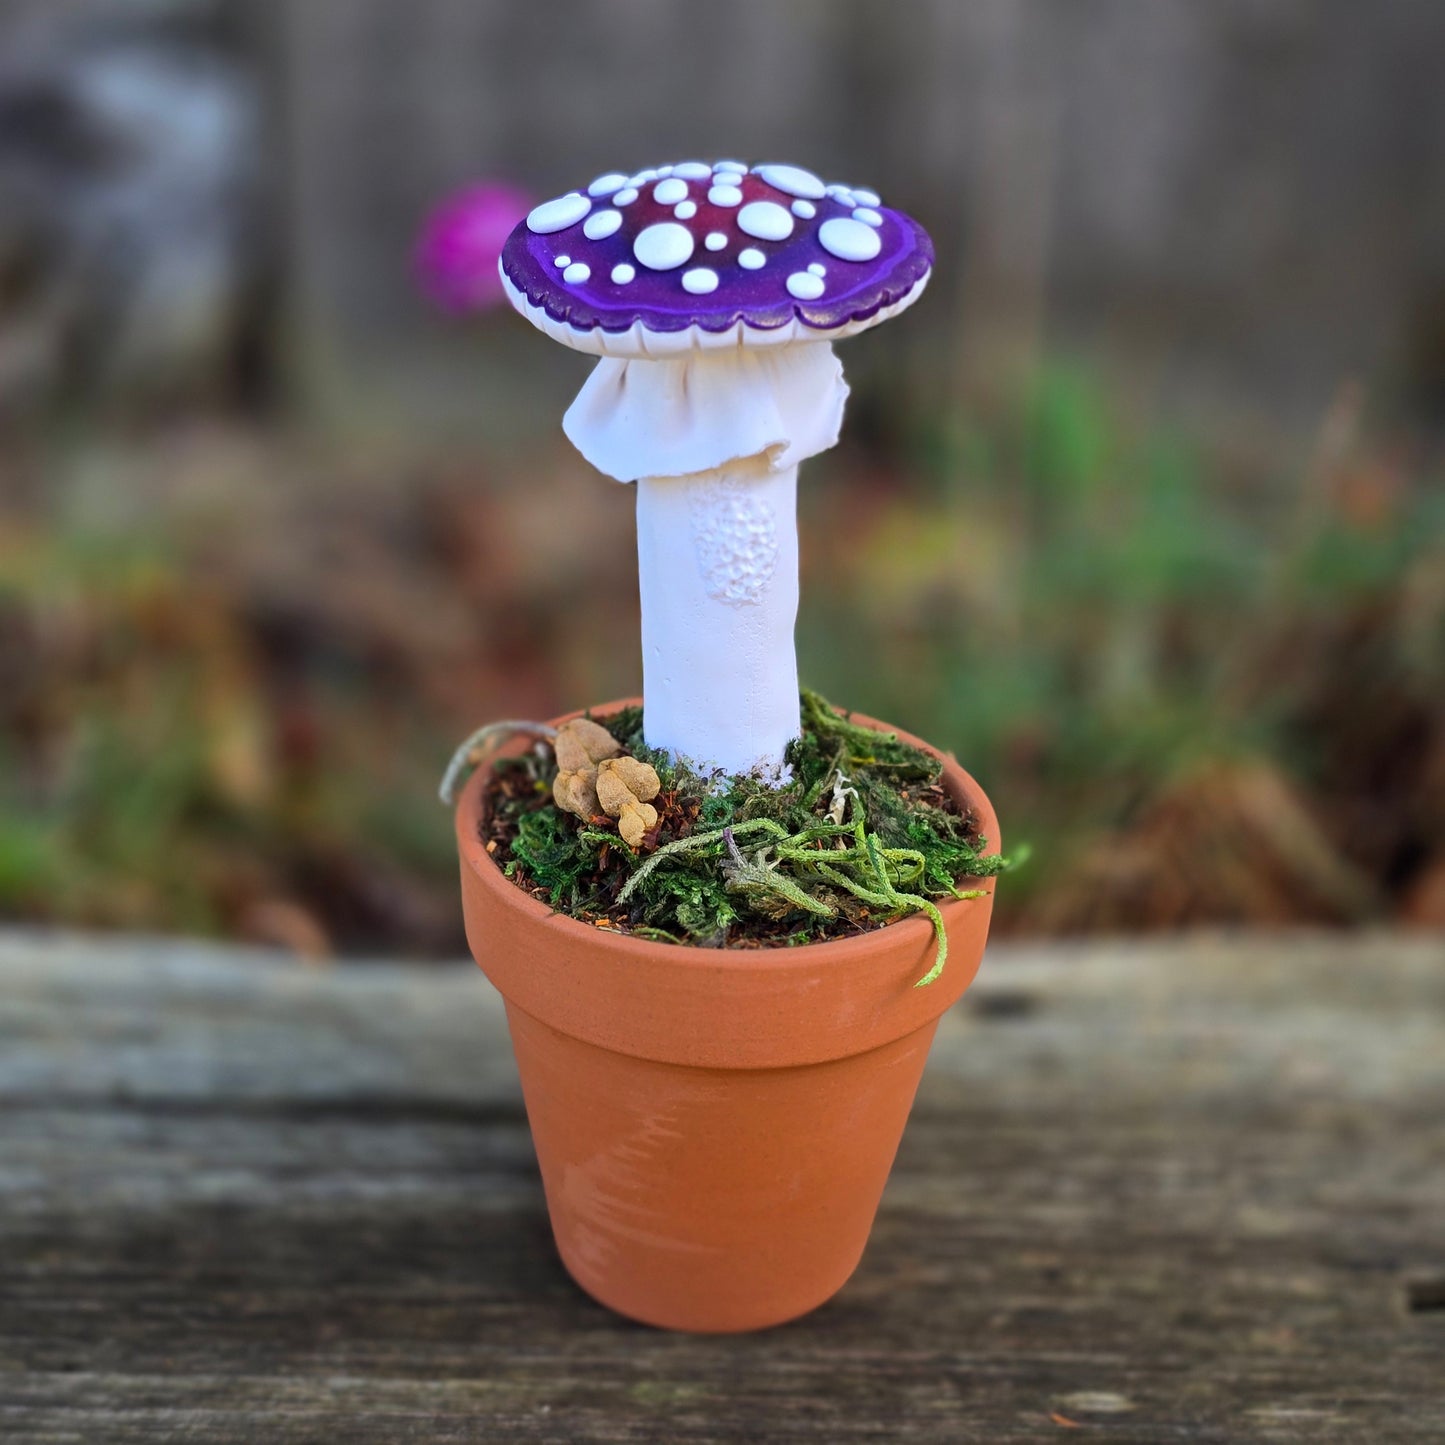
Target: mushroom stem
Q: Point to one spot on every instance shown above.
(718, 570)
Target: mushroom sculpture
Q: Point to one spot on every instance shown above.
(712, 294)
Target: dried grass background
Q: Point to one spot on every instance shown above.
(233, 662)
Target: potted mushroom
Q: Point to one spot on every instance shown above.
(715, 1124)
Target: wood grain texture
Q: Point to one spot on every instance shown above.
(1175, 1191)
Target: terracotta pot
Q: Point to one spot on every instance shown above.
(714, 1126)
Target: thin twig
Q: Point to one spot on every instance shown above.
(470, 754)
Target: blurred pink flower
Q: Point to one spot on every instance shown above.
(459, 243)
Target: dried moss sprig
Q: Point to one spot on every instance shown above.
(862, 868)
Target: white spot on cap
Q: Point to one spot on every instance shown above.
(685, 210)
(725, 196)
(805, 209)
(766, 220)
(601, 224)
(817, 268)
(664, 170)
(700, 280)
(868, 216)
(605, 185)
(559, 214)
(741, 166)
(625, 198)
(561, 260)
(869, 198)
(663, 246)
(622, 273)
(794, 180)
(670, 191)
(849, 240)
(692, 170)
(716, 241)
(805, 286)
(751, 259)
(577, 271)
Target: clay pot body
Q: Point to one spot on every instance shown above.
(714, 1127)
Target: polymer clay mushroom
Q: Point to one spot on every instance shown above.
(712, 294)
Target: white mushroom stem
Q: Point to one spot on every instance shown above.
(714, 439)
(717, 559)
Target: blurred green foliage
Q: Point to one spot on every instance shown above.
(1085, 611)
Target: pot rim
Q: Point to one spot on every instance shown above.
(803, 956)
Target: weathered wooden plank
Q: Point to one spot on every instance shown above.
(1181, 1191)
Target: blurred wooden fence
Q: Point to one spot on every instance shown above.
(1240, 199)
(1242, 196)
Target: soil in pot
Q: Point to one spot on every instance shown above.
(863, 832)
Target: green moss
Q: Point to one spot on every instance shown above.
(862, 833)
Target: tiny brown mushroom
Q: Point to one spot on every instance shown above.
(626, 780)
(581, 744)
(624, 786)
(576, 792)
(634, 821)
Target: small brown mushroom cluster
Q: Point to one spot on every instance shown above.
(594, 776)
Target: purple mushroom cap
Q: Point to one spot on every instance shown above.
(695, 255)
